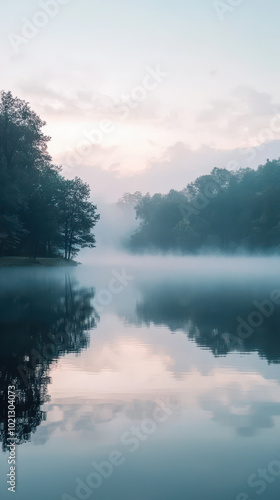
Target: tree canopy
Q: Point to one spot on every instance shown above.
(225, 210)
(41, 212)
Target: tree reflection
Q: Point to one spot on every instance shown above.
(209, 315)
(41, 320)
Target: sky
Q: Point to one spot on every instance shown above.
(147, 95)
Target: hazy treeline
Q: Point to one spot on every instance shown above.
(225, 211)
(41, 212)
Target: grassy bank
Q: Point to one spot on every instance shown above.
(25, 261)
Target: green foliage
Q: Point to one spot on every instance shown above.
(129, 200)
(41, 213)
(225, 210)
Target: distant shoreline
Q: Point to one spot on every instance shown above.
(39, 262)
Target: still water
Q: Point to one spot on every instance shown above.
(143, 378)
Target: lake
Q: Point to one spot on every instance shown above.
(143, 378)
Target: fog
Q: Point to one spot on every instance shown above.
(112, 232)
(201, 297)
(110, 251)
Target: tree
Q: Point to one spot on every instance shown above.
(223, 210)
(129, 200)
(42, 216)
(41, 213)
(78, 216)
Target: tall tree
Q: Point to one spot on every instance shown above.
(78, 216)
(41, 213)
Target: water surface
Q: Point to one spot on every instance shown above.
(138, 364)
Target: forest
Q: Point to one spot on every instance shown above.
(41, 212)
(225, 211)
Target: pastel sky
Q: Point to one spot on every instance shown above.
(216, 90)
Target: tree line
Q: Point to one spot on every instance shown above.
(41, 212)
(225, 210)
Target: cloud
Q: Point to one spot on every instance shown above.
(247, 419)
(132, 157)
(53, 99)
(174, 169)
(57, 100)
(244, 114)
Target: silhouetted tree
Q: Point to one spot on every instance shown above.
(78, 216)
(41, 213)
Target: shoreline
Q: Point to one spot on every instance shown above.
(39, 262)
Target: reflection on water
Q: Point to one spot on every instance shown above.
(222, 317)
(41, 319)
(84, 380)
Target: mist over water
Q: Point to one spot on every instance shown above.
(217, 265)
(92, 349)
(114, 230)
(140, 250)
